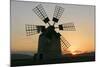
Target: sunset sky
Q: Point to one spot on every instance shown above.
(83, 17)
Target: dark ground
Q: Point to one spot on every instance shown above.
(68, 58)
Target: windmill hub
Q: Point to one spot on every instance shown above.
(51, 29)
(49, 32)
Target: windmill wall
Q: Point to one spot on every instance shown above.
(49, 48)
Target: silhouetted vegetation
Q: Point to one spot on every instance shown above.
(67, 58)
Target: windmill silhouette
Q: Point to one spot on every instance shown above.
(50, 42)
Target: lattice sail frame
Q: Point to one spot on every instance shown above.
(40, 12)
(68, 27)
(30, 29)
(57, 13)
(64, 43)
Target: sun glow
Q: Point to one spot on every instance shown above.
(73, 53)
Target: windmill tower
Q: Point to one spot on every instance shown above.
(50, 42)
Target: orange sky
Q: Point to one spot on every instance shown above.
(80, 42)
(82, 16)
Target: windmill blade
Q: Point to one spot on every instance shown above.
(57, 13)
(30, 29)
(64, 43)
(67, 27)
(33, 29)
(40, 12)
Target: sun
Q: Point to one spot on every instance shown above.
(73, 53)
(76, 52)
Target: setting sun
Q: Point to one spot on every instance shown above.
(73, 53)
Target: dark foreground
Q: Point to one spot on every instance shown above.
(29, 60)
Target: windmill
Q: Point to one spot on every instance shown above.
(50, 42)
